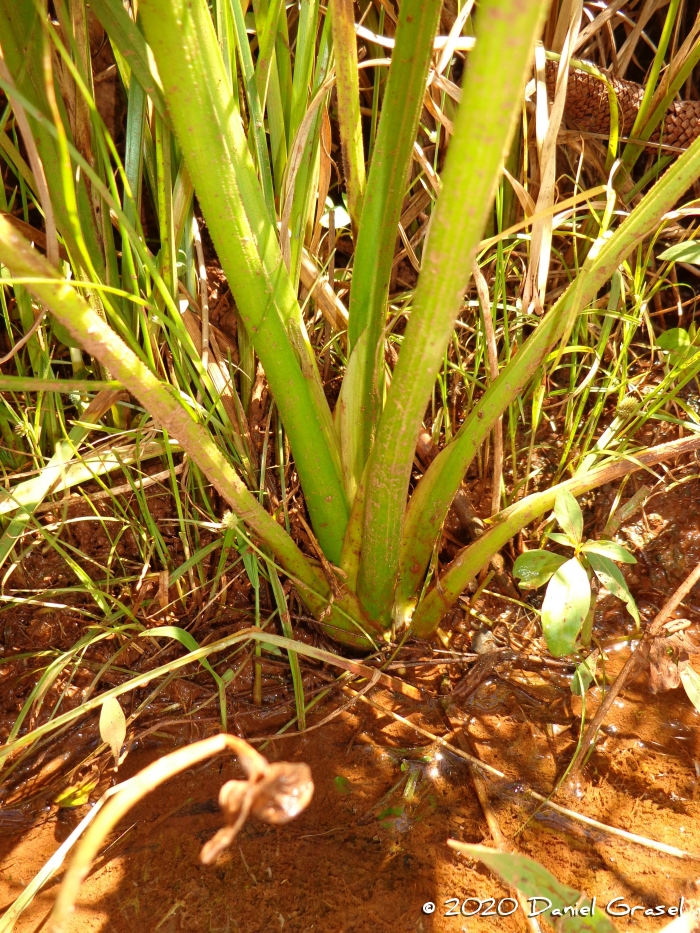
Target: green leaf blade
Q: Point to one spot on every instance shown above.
(569, 515)
(565, 607)
(535, 881)
(484, 126)
(584, 674)
(611, 550)
(560, 539)
(683, 252)
(691, 684)
(186, 640)
(535, 568)
(611, 577)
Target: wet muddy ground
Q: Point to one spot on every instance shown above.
(371, 849)
(367, 854)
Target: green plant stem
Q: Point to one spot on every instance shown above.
(98, 339)
(484, 127)
(267, 17)
(303, 64)
(430, 502)
(210, 132)
(381, 210)
(510, 521)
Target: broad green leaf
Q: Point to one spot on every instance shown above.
(77, 795)
(540, 887)
(611, 577)
(113, 726)
(691, 684)
(677, 343)
(584, 674)
(610, 549)
(675, 338)
(561, 539)
(683, 252)
(568, 513)
(534, 568)
(565, 607)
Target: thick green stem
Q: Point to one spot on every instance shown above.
(210, 132)
(472, 559)
(381, 209)
(506, 32)
(435, 492)
(100, 341)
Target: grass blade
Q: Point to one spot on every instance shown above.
(127, 37)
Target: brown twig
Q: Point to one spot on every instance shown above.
(635, 661)
(326, 565)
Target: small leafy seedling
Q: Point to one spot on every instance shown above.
(567, 610)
